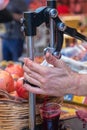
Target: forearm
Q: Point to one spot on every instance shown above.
(5, 16)
(79, 85)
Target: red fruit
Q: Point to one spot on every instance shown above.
(38, 59)
(21, 91)
(15, 77)
(6, 81)
(15, 69)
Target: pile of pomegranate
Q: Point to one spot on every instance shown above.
(10, 80)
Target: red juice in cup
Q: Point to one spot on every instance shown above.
(50, 114)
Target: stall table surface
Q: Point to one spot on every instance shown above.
(69, 119)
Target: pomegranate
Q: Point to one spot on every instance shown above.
(15, 70)
(6, 81)
(21, 91)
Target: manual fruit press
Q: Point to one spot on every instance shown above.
(33, 19)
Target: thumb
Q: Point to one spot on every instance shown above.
(54, 61)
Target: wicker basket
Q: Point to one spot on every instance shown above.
(14, 112)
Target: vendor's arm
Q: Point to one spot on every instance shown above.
(13, 10)
(56, 81)
(5, 16)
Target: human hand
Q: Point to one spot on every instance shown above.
(82, 114)
(55, 81)
(17, 17)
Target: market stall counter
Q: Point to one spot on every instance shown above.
(69, 120)
(67, 124)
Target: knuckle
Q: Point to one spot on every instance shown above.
(43, 80)
(46, 71)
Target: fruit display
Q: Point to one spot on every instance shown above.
(11, 79)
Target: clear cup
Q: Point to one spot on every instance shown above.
(50, 114)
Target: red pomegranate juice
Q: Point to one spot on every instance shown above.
(50, 114)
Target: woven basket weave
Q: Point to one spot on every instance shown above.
(14, 113)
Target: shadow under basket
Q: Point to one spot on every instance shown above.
(14, 112)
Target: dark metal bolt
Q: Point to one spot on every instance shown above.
(53, 13)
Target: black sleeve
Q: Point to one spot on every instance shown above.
(5, 16)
